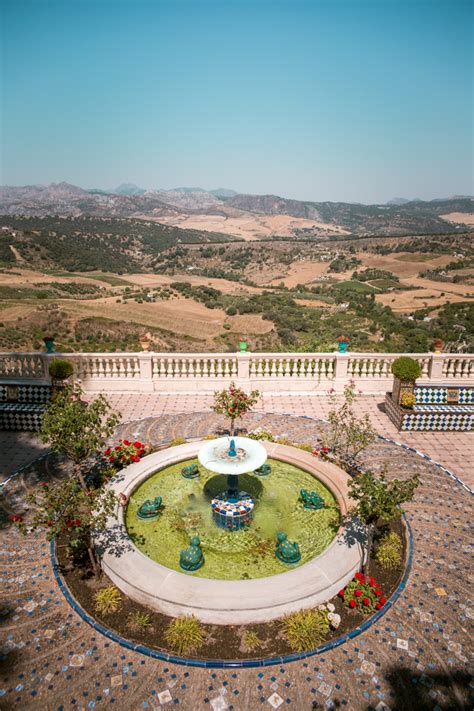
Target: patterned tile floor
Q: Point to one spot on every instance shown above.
(415, 657)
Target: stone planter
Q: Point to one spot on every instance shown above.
(400, 387)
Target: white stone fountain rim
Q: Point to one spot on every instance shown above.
(251, 455)
(231, 601)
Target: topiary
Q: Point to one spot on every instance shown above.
(60, 368)
(406, 368)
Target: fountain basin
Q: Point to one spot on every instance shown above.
(230, 601)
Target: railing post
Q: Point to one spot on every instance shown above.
(243, 368)
(145, 361)
(340, 371)
(435, 369)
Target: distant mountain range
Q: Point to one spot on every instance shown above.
(249, 216)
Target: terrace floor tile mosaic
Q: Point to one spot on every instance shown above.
(415, 657)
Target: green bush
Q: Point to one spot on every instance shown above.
(107, 600)
(406, 368)
(185, 634)
(389, 551)
(252, 641)
(305, 629)
(139, 620)
(231, 311)
(60, 368)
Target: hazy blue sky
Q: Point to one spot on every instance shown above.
(321, 100)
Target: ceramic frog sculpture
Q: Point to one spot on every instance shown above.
(150, 509)
(311, 499)
(286, 551)
(190, 472)
(192, 557)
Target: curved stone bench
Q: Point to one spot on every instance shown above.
(230, 601)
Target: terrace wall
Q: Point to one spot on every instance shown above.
(276, 373)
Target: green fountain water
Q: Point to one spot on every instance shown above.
(232, 555)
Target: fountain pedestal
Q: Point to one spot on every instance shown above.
(232, 509)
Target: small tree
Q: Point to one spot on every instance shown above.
(77, 429)
(377, 498)
(348, 435)
(66, 506)
(234, 402)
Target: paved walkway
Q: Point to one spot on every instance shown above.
(415, 657)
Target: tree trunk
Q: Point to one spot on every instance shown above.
(368, 548)
(94, 562)
(232, 426)
(79, 476)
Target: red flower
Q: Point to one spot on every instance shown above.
(135, 458)
(16, 518)
(357, 593)
(341, 593)
(377, 592)
(372, 582)
(118, 449)
(107, 452)
(138, 445)
(378, 606)
(77, 522)
(325, 450)
(315, 452)
(360, 577)
(126, 442)
(352, 603)
(43, 484)
(382, 601)
(366, 601)
(111, 459)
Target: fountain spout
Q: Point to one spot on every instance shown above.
(232, 450)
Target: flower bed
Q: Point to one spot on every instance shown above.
(229, 642)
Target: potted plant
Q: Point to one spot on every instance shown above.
(49, 343)
(145, 343)
(406, 370)
(343, 342)
(407, 400)
(60, 370)
(438, 345)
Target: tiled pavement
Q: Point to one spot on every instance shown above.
(415, 657)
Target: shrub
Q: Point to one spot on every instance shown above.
(304, 446)
(60, 368)
(231, 311)
(185, 634)
(107, 600)
(139, 620)
(389, 551)
(408, 400)
(211, 436)
(363, 594)
(125, 453)
(347, 435)
(260, 433)
(406, 368)
(305, 629)
(176, 441)
(252, 641)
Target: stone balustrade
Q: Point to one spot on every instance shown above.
(278, 373)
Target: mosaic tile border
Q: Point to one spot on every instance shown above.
(233, 664)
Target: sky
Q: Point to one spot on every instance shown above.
(341, 100)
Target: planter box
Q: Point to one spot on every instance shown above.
(433, 413)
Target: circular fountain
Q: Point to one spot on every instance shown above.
(232, 508)
(227, 544)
